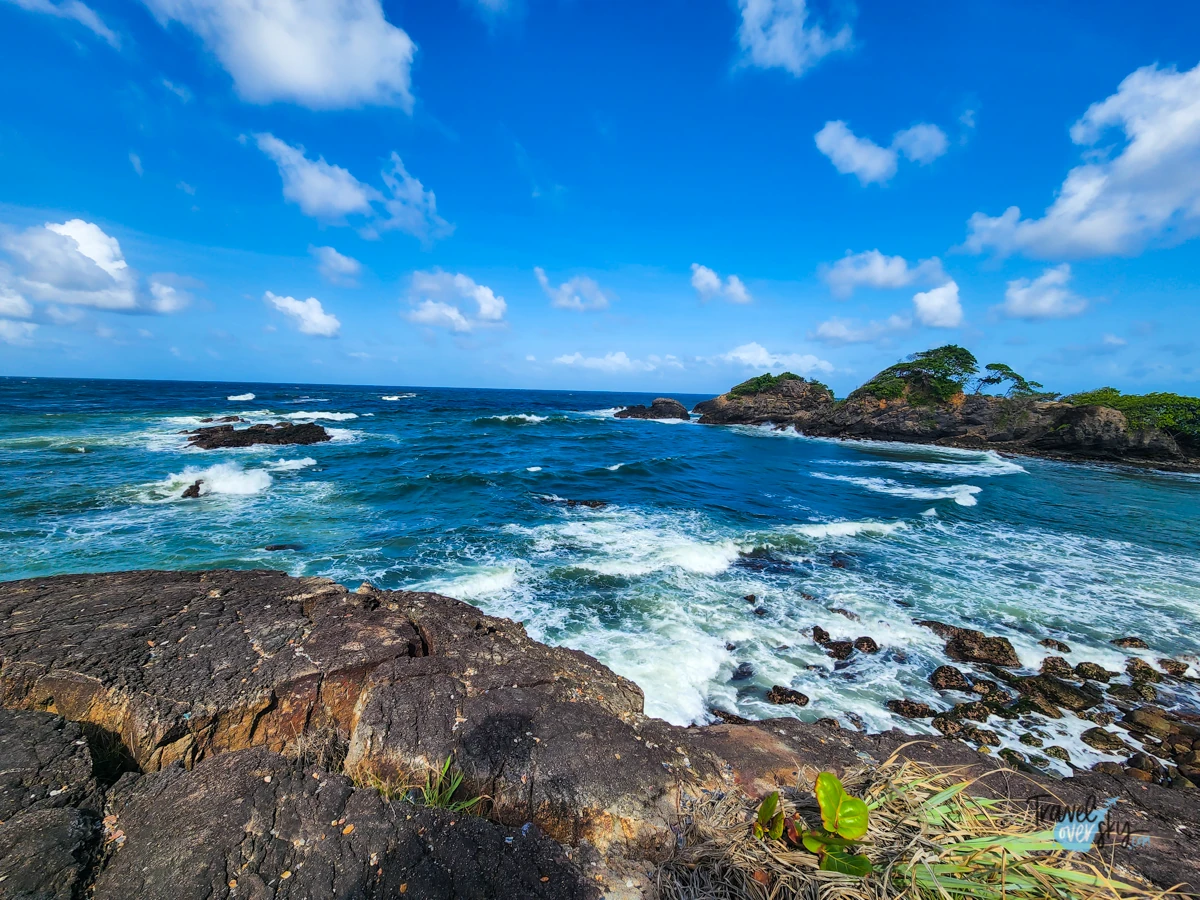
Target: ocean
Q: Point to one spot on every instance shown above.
(464, 492)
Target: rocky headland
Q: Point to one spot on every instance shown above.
(924, 400)
(185, 735)
(223, 437)
(661, 408)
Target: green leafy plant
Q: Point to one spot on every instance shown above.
(844, 820)
(1173, 413)
(1018, 385)
(926, 378)
(440, 787)
(760, 383)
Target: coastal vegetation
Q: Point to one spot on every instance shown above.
(926, 378)
(1173, 413)
(761, 383)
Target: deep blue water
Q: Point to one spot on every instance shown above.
(459, 491)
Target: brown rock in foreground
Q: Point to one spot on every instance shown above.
(661, 408)
(222, 437)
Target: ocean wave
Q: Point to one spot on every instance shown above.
(238, 397)
(846, 529)
(308, 400)
(398, 397)
(330, 416)
(615, 466)
(514, 419)
(291, 465)
(533, 469)
(344, 435)
(223, 478)
(990, 464)
(962, 494)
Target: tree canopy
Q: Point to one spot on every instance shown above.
(928, 377)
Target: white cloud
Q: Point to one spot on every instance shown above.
(1044, 297)
(178, 90)
(330, 193)
(1113, 341)
(838, 331)
(136, 162)
(610, 362)
(73, 262)
(871, 163)
(310, 317)
(13, 305)
(74, 10)
(779, 34)
(939, 307)
(336, 268)
(756, 356)
(16, 332)
(708, 285)
(580, 293)
(165, 298)
(872, 269)
(1144, 187)
(323, 54)
(437, 297)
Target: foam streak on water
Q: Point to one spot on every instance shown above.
(466, 492)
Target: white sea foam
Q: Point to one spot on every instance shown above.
(534, 469)
(602, 413)
(223, 478)
(614, 468)
(246, 396)
(962, 494)
(514, 419)
(989, 464)
(398, 397)
(291, 465)
(475, 583)
(331, 416)
(344, 435)
(847, 529)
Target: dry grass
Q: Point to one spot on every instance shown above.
(928, 839)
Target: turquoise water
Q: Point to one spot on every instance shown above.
(459, 491)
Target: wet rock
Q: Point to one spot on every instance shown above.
(856, 720)
(1140, 670)
(783, 695)
(742, 672)
(1090, 671)
(948, 678)
(1060, 693)
(1100, 717)
(808, 597)
(1104, 741)
(661, 408)
(839, 649)
(226, 436)
(968, 645)
(1149, 720)
(193, 490)
(820, 635)
(1055, 645)
(974, 710)
(853, 617)
(990, 691)
(1138, 775)
(1109, 768)
(1128, 643)
(750, 598)
(1035, 703)
(588, 504)
(912, 709)
(730, 647)
(276, 548)
(1030, 740)
(837, 563)
(760, 611)
(984, 737)
(1174, 667)
(866, 645)
(728, 717)
(254, 824)
(1057, 752)
(1057, 667)
(1147, 763)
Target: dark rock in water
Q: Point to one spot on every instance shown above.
(750, 598)
(968, 645)
(760, 611)
(742, 672)
(974, 710)
(1130, 643)
(1090, 671)
(853, 617)
(838, 563)
(730, 647)
(1060, 693)
(1030, 740)
(193, 491)
(866, 645)
(222, 420)
(1140, 670)
(763, 560)
(728, 717)
(1058, 667)
(984, 737)
(225, 436)
(1149, 720)
(990, 691)
(317, 834)
(782, 695)
(1055, 645)
(1104, 741)
(590, 504)
(911, 709)
(948, 678)
(1108, 768)
(828, 722)
(1174, 667)
(856, 720)
(275, 548)
(1057, 752)
(661, 408)
(839, 649)
(805, 596)
(820, 635)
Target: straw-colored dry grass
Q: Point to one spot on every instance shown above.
(928, 839)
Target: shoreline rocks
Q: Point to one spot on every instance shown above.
(661, 408)
(220, 437)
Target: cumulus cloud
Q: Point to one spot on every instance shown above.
(873, 269)
(308, 315)
(939, 307)
(708, 285)
(839, 331)
(440, 300)
(1044, 297)
(871, 163)
(580, 293)
(331, 193)
(16, 332)
(610, 362)
(334, 267)
(75, 11)
(781, 34)
(323, 54)
(76, 263)
(756, 356)
(1142, 188)
(13, 305)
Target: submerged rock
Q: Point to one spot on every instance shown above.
(1055, 645)
(1174, 667)
(784, 695)
(1057, 667)
(1104, 741)
(948, 678)
(1091, 671)
(193, 491)
(838, 649)
(661, 408)
(911, 709)
(226, 436)
(1130, 643)
(742, 672)
(866, 645)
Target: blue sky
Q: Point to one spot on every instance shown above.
(659, 195)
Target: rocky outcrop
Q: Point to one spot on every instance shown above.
(214, 686)
(661, 408)
(976, 421)
(221, 437)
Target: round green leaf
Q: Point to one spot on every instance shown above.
(846, 863)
